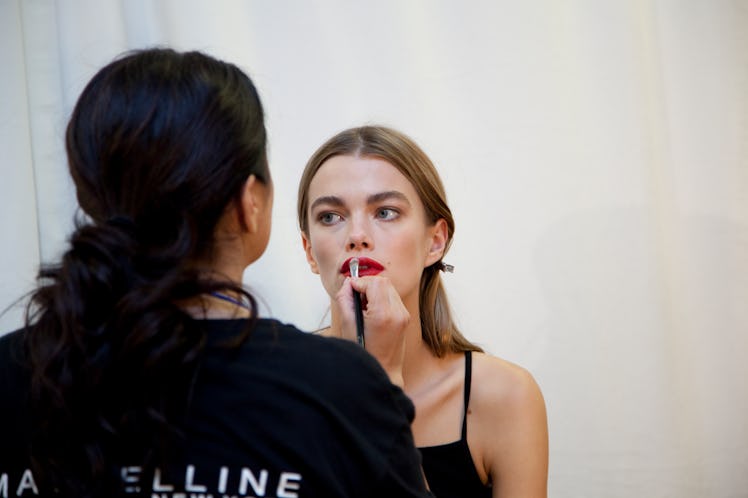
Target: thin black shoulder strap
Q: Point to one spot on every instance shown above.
(468, 377)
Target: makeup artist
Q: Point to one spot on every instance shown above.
(371, 193)
(143, 368)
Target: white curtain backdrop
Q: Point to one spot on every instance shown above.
(595, 155)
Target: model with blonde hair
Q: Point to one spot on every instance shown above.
(372, 194)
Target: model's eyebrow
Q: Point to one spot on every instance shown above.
(335, 201)
(386, 196)
(329, 200)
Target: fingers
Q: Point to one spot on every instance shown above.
(344, 302)
(383, 303)
(345, 293)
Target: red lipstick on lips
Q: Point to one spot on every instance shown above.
(366, 266)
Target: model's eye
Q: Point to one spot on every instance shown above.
(328, 218)
(387, 213)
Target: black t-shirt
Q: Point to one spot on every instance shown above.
(287, 415)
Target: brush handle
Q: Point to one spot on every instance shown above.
(359, 319)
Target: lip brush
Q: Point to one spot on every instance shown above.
(353, 266)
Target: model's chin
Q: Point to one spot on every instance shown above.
(332, 286)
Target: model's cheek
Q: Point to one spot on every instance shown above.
(406, 265)
(328, 271)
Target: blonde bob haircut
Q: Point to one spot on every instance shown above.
(438, 328)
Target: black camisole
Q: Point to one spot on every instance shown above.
(449, 468)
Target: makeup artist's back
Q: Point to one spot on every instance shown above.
(263, 421)
(143, 369)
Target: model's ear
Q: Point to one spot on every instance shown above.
(309, 255)
(438, 237)
(251, 204)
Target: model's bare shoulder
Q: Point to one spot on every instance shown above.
(508, 429)
(503, 386)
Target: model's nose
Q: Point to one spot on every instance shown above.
(358, 236)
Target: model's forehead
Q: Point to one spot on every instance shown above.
(353, 173)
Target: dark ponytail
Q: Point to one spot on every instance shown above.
(159, 144)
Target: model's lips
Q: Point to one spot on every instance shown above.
(366, 266)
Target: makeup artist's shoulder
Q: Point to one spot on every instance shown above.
(325, 332)
(335, 354)
(327, 342)
(332, 342)
(11, 342)
(331, 337)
